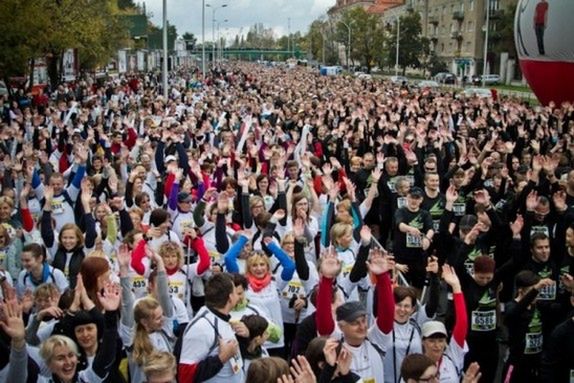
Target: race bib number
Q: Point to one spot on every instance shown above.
(483, 320)
(347, 270)
(401, 202)
(138, 282)
(540, 229)
(414, 241)
(435, 225)
(533, 343)
(176, 288)
(547, 293)
(293, 288)
(459, 209)
(236, 363)
(57, 207)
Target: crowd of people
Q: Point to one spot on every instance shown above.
(274, 225)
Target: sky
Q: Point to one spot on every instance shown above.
(241, 15)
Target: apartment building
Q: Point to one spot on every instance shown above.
(456, 28)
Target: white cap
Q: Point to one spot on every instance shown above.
(170, 158)
(432, 328)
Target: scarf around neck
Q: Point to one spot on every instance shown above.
(258, 284)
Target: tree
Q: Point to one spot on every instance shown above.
(367, 35)
(319, 42)
(46, 28)
(413, 47)
(190, 40)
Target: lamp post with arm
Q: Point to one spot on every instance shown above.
(213, 11)
(348, 42)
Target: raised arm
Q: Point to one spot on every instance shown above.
(460, 328)
(330, 268)
(230, 257)
(283, 257)
(380, 265)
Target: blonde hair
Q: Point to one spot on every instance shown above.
(170, 246)
(286, 237)
(142, 345)
(46, 290)
(97, 254)
(159, 362)
(7, 200)
(49, 345)
(253, 200)
(338, 230)
(256, 257)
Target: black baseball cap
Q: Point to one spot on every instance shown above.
(350, 311)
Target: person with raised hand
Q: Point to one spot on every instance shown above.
(60, 353)
(13, 325)
(365, 344)
(147, 324)
(448, 355)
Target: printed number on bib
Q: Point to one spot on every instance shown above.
(57, 207)
(483, 320)
(547, 293)
(293, 288)
(401, 202)
(236, 364)
(138, 283)
(533, 343)
(459, 209)
(414, 241)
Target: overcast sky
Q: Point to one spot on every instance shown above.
(241, 14)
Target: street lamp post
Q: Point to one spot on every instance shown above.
(398, 46)
(213, 10)
(203, 37)
(484, 65)
(219, 42)
(164, 77)
(348, 43)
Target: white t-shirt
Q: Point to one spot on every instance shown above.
(268, 300)
(451, 365)
(199, 339)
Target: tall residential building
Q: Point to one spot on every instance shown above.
(455, 27)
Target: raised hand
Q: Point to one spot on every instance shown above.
(432, 265)
(110, 296)
(48, 193)
(450, 277)
(124, 256)
(366, 235)
(302, 371)
(330, 351)
(13, 324)
(379, 264)
(472, 374)
(451, 194)
(330, 265)
(532, 200)
(559, 199)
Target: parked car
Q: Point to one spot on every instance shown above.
(445, 78)
(365, 76)
(426, 84)
(402, 80)
(490, 79)
(476, 92)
